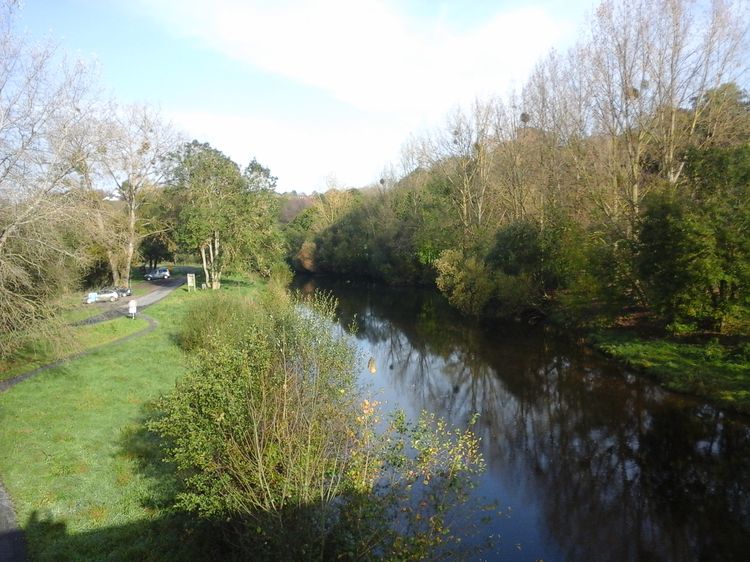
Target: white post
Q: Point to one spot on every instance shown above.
(132, 308)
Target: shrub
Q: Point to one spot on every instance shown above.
(514, 294)
(209, 317)
(549, 257)
(466, 281)
(280, 274)
(270, 436)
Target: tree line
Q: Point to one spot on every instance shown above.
(615, 178)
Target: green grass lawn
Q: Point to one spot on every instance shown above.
(716, 372)
(73, 450)
(37, 353)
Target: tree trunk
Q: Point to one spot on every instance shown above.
(131, 243)
(116, 279)
(215, 270)
(205, 266)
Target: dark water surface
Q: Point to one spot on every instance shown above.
(585, 460)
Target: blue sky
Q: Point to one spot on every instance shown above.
(312, 89)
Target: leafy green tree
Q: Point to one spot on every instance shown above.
(156, 248)
(262, 240)
(678, 259)
(228, 220)
(258, 177)
(695, 252)
(538, 260)
(465, 280)
(159, 215)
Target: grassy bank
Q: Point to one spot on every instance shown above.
(74, 458)
(716, 371)
(79, 338)
(40, 349)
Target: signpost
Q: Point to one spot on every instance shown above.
(132, 308)
(191, 281)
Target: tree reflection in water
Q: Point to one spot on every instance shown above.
(595, 463)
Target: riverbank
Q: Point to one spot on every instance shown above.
(702, 365)
(573, 441)
(708, 368)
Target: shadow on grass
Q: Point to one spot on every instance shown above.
(146, 449)
(169, 534)
(316, 531)
(166, 533)
(170, 537)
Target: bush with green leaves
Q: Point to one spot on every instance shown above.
(272, 440)
(465, 281)
(548, 255)
(694, 245)
(694, 269)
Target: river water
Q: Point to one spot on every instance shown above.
(585, 461)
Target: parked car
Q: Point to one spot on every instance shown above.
(160, 273)
(123, 291)
(107, 294)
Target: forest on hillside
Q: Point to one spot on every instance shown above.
(616, 179)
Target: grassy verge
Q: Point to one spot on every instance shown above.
(72, 451)
(37, 353)
(718, 372)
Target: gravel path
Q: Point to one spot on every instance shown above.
(12, 544)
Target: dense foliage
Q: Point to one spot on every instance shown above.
(686, 256)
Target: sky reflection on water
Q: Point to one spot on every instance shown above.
(585, 460)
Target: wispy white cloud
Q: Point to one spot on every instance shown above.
(369, 53)
(393, 71)
(302, 158)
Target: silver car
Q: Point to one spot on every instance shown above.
(161, 273)
(107, 294)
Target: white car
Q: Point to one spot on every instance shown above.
(102, 295)
(161, 273)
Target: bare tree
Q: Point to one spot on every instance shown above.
(649, 62)
(41, 110)
(133, 157)
(462, 153)
(333, 204)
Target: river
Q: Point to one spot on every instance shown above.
(585, 461)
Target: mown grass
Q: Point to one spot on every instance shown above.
(714, 371)
(72, 450)
(79, 338)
